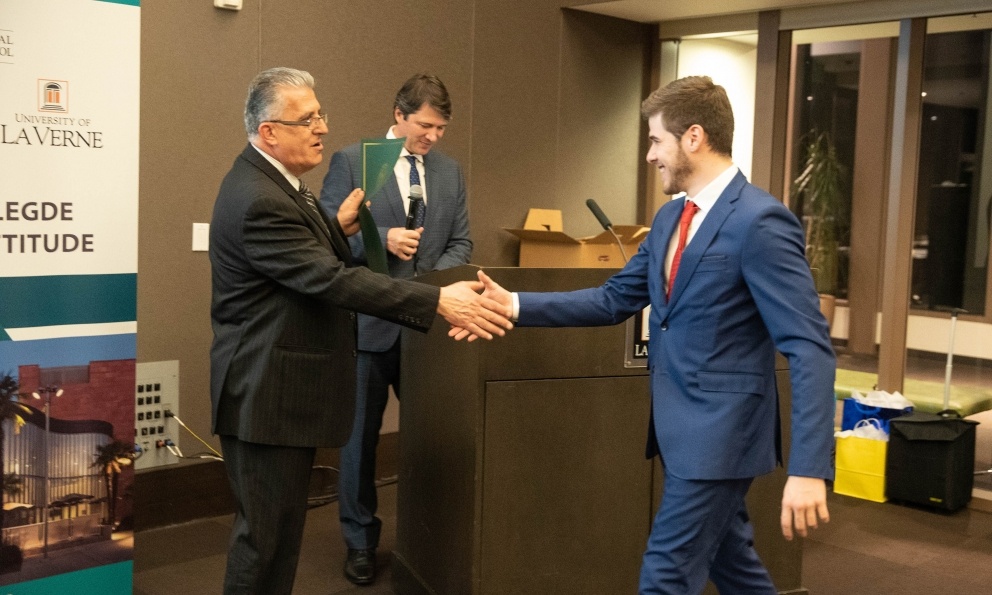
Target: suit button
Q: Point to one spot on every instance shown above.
(351, 315)
(354, 353)
(664, 326)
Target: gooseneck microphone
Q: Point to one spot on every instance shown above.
(605, 222)
(600, 215)
(416, 205)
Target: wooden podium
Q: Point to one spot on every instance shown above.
(522, 466)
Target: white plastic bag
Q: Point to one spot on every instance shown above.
(881, 398)
(867, 428)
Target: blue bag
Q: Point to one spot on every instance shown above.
(855, 412)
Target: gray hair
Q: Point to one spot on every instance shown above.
(264, 100)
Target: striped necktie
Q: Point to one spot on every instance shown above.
(310, 198)
(312, 202)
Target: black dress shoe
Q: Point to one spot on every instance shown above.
(359, 568)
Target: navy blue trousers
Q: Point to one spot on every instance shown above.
(702, 531)
(357, 499)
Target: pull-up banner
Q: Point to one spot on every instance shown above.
(69, 124)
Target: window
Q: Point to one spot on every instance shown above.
(953, 217)
(825, 111)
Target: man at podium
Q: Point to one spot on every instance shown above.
(725, 273)
(422, 217)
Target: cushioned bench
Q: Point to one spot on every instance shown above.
(926, 395)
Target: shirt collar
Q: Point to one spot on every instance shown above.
(403, 152)
(293, 180)
(708, 196)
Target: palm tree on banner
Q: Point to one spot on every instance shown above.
(111, 458)
(12, 410)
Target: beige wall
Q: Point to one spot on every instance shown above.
(545, 114)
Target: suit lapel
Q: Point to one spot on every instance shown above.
(433, 196)
(328, 230)
(704, 236)
(668, 222)
(396, 209)
(255, 158)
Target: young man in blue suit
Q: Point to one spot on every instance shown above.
(439, 239)
(724, 272)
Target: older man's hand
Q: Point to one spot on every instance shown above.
(477, 315)
(348, 213)
(492, 291)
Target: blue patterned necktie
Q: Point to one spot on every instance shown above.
(418, 208)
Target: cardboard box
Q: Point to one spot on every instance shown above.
(544, 244)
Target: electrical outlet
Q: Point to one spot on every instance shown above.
(156, 392)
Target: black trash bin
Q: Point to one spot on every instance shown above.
(931, 460)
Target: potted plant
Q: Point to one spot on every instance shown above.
(818, 191)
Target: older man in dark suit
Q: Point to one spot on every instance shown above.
(283, 315)
(420, 236)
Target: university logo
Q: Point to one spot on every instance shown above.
(53, 96)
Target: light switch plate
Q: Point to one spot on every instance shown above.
(201, 236)
(228, 4)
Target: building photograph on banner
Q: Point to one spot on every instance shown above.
(69, 116)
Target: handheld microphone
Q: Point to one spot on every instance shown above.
(416, 204)
(600, 215)
(605, 222)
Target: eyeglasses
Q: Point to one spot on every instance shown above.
(310, 121)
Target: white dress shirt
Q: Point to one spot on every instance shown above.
(402, 172)
(293, 180)
(705, 201)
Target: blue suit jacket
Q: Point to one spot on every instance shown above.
(743, 290)
(445, 242)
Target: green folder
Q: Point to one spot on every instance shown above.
(379, 156)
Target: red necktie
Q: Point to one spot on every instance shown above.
(688, 211)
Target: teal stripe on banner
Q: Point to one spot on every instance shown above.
(112, 579)
(128, 2)
(67, 299)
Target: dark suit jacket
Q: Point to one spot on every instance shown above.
(743, 289)
(282, 363)
(445, 242)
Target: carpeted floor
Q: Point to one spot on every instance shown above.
(890, 549)
(867, 548)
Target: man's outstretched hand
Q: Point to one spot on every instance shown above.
(495, 294)
(475, 315)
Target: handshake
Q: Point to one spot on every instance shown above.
(473, 315)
